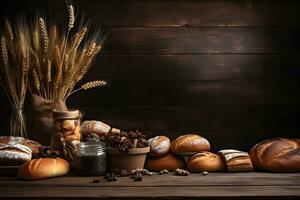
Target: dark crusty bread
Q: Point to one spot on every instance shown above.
(205, 161)
(14, 154)
(277, 155)
(33, 145)
(236, 161)
(43, 168)
(189, 143)
(169, 162)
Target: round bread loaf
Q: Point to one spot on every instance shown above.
(14, 154)
(43, 168)
(169, 162)
(33, 145)
(190, 143)
(205, 161)
(277, 155)
(159, 146)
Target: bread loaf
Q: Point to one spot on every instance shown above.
(236, 161)
(189, 143)
(94, 127)
(159, 146)
(169, 162)
(277, 155)
(43, 168)
(14, 154)
(33, 145)
(205, 161)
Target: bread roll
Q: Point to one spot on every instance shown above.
(189, 143)
(236, 161)
(277, 155)
(43, 168)
(94, 127)
(159, 146)
(33, 145)
(14, 154)
(205, 161)
(169, 162)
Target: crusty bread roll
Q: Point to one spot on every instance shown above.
(94, 127)
(159, 146)
(190, 143)
(205, 161)
(43, 168)
(277, 155)
(169, 162)
(236, 161)
(33, 145)
(14, 154)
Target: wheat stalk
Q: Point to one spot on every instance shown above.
(61, 58)
(8, 30)
(71, 13)
(93, 84)
(90, 85)
(44, 34)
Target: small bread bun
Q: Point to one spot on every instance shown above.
(43, 168)
(205, 161)
(159, 146)
(169, 162)
(190, 143)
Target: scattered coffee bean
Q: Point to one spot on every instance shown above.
(204, 173)
(138, 177)
(164, 171)
(96, 180)
(111, 179)
(181, 172)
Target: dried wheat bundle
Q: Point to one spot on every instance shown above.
(14, 71)
(61, 58)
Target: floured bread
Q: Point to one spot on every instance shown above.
(14, 154)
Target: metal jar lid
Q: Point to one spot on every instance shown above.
(68, 114)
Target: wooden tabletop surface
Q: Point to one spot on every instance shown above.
(254, 185)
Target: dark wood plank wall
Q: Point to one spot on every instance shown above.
(227, 69)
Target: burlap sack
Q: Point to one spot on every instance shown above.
(40, 118)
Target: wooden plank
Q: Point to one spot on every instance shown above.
(268, 192)
(145, 40)
(189, 119)
(186, 13)
(191, 93)
(196, 67)
(170, 180)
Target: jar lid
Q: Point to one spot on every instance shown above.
(92, 146)
(68, 114)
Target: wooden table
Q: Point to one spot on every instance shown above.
(213, 186)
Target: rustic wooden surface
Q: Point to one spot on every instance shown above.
(213, 186)
(226, 69)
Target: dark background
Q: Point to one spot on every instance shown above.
(226, 69)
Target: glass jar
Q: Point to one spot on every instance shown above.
(91, 159)
(66, 133)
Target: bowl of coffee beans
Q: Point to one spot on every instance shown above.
(126, 150)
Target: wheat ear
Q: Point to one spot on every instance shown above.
(8, 30)
(71, 13)
(89, 85)
(93, 84)
(44, 34)
(4, 52)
